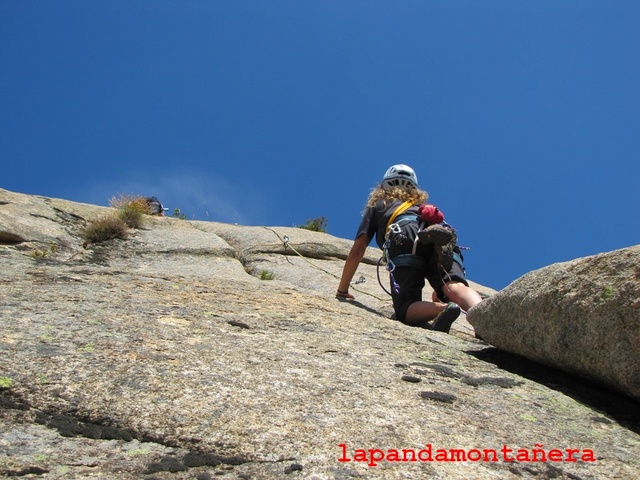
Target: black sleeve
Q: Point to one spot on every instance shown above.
(368, 225)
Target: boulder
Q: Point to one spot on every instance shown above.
(581, 316)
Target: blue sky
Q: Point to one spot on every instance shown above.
(521, 118)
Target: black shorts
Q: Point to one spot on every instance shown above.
(407, 282)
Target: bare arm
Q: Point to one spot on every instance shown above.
(351, 265)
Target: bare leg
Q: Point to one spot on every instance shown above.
(459, 293)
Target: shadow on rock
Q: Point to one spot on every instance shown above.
(622, 409)
(356, 303)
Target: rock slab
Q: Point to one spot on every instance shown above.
(170, 356)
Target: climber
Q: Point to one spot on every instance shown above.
(155, 207)
(417, 244)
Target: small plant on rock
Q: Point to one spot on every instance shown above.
(5, 383)
(178, 214)
(131, 209)
(316, 225)
(106, 228)
(267, 275)
(53, 248)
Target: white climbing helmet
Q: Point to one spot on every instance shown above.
(399, 176)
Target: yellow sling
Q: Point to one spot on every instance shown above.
(404, 206)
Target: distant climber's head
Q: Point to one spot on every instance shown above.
(399, 176)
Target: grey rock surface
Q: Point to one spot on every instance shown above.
(581, 316)
(165, 356)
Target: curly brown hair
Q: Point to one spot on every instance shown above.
(406, 194)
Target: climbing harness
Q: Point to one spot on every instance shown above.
(394, 234)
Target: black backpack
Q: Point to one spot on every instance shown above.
(155, 207)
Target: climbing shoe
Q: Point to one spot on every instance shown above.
(445, 252)
(445, 256)
(436, 234)
(442, 323)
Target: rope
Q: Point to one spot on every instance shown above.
(286, 242)
(378, 274)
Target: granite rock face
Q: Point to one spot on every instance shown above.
(581, 316)
(206, 350)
